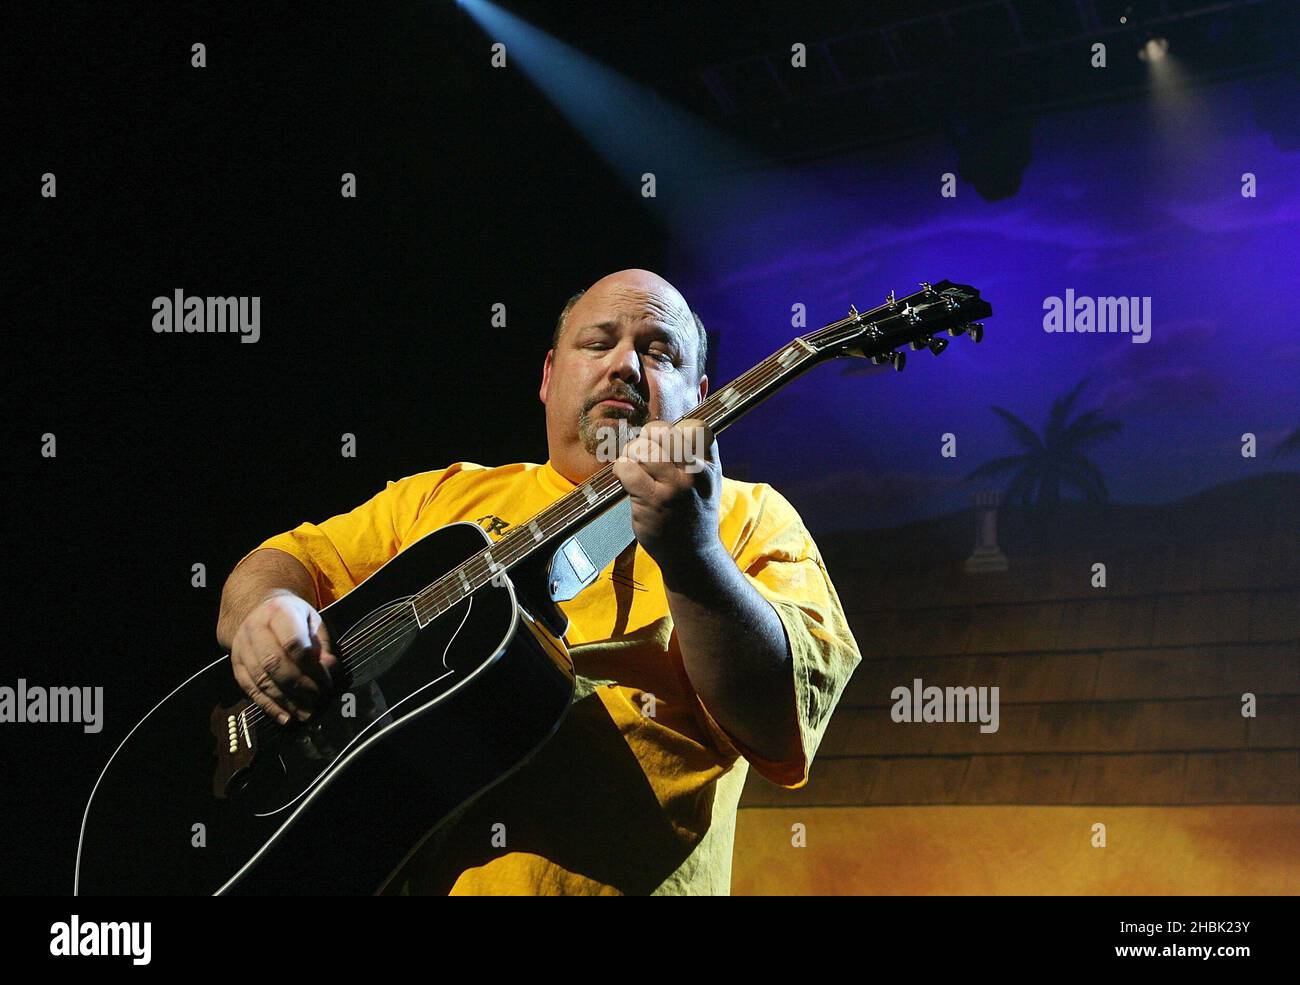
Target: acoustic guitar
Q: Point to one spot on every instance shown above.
(452, 672)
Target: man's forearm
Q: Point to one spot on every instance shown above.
(736, 653)
(260, 575)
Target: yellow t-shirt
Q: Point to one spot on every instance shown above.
(619, 800)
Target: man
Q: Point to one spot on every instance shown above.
(714, 642)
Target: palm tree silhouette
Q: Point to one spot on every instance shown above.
(1055, 459)
(1292, 443)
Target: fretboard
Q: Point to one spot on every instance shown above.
(575, 509)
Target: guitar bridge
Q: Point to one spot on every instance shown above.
(235, 744)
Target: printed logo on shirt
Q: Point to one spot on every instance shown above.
(494, 525)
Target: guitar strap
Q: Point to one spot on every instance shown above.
(584, 555)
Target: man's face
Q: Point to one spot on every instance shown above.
(627, 356)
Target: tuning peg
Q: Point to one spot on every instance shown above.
(898, 360)
(889, 300)
(927, 289)
(976, 331)
(916, 345)
(937, 345)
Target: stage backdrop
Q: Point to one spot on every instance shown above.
(1122, 693)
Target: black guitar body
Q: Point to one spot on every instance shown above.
(197, 802)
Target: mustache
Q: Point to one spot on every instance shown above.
(631, 396)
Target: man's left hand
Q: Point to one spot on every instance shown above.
(674, 478)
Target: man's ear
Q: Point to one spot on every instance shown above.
(704, 388)
(546, 375)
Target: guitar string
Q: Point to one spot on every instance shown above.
(760, 377)
(765, 373)
(371, 638)
(377, 637)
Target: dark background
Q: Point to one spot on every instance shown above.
(180, 449)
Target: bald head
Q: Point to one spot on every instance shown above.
(628, 350)
(645, 291)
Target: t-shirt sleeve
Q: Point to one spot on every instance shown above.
(780, 559)
(343, 551)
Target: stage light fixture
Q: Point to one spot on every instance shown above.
(1153, 50)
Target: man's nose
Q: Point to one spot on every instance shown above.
(626, 363)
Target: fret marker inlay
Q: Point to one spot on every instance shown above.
(418, 620)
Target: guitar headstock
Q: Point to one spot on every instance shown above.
(916, 321)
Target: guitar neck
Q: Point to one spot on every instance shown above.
(575, 509)
(872, 334)
(719, 411)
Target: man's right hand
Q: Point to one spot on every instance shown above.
(282, 657)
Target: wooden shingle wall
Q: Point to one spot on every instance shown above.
(1130, 694)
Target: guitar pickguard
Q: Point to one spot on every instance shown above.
(372, 646)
